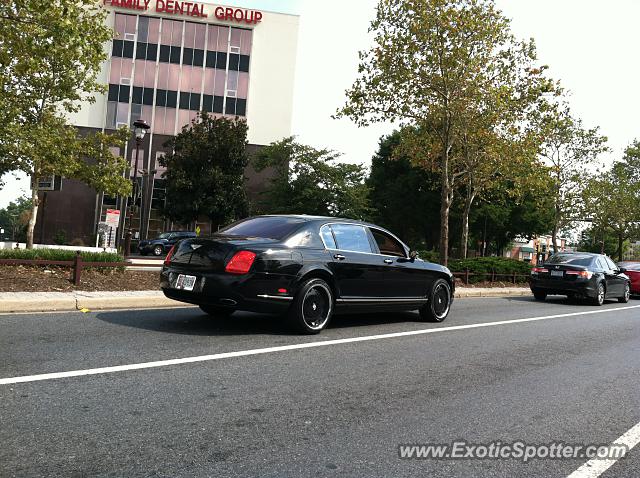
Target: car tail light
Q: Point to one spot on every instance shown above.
(241, 262)
(167, 260)
(584, 274)
(538, 270)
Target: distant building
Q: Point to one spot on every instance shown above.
(168, 61)
(534, 250)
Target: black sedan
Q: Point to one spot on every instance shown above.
(306, 267)
(580, 275)
(161, 244)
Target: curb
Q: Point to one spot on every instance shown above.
(465, 293)
(60, 301)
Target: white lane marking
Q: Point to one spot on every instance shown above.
(282, 348)
(594, 468)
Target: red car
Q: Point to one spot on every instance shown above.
(633, 271)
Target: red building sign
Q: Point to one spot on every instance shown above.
(193, 9)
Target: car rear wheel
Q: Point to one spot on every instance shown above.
(437, 309)
(627, 293)
(216, 311)
(600, 294)
(539, 295)
(158, 250)
(312, 307)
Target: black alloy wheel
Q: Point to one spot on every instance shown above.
(437, 309)
(312, 307)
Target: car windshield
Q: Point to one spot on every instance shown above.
(164, 235)
(270, 227)
(573, 259)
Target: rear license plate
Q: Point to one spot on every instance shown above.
(557, 273)
(184, 282)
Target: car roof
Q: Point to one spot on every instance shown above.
(311, 218)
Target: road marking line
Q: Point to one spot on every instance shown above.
(282, 348)
(594, 468)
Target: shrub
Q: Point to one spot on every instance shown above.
(484, 266)
(77, 242)
(430, 256)
(59, 255)
(60, 237)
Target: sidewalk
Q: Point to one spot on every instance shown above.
(148, 299)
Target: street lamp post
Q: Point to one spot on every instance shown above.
(140, 130)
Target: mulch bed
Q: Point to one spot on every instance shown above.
(57, 279)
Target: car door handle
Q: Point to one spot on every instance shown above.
(388, 261)
(339, 257)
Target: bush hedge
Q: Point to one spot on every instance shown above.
(59, 255)
(484, 266)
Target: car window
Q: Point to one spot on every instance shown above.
(270, 227)
(387, 244)
(630, 266)
(573, 259)
(327, 237)
(164, 235)
(601, 264)
(610, 264)
(351, 237)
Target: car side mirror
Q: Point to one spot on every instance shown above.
(413, 255)
(622, 270)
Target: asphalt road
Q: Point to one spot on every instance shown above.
(336, 409)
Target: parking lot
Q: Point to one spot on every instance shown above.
(278, 407)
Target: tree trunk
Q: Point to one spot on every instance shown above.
(34, 213)
(620, 241)
(554, 239)
(464, 239)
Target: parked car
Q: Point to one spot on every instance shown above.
(306, 267)
(580, 275)
(632, 269)
(163, 243)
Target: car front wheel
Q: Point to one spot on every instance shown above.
(627, 293)
(158, 250)
(312, 307)
(437, 309)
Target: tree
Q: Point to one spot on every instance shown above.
(570, 151)
(15, 217)
(310, 181)
(205, 171)
(404, 197)
(50, 57)
(612, 200)
(434, 64)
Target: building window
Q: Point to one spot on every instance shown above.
(143, 96)
(236, 106)
(212, 104)
(146, 51)
(189, 101)
(238, 62)
(119, 93)
(167, 98)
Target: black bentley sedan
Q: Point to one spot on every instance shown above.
(305, 267)
(580, 275)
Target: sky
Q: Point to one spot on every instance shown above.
(589, 45)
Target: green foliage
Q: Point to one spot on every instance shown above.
(60, 237)
(50, 57)
(484, 266)
(569, 150)
(612, 201)
(205, 171)
(405, 198)
(58, 255)
(450, 69)
(14, 219)
(310, 181)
